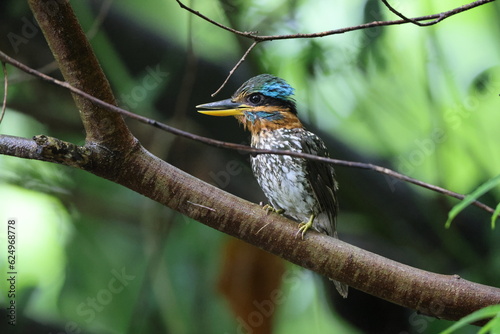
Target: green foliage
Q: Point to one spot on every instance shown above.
(485, 187)
(42, 231)
(489, 312)
(495, 216)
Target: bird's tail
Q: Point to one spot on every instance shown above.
(326, 224)
(342, 288)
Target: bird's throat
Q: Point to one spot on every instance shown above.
(256, 125)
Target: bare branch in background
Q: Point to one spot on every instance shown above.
(260, 38)
(5, 90)
(242, 59)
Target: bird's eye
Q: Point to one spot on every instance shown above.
(255, 98)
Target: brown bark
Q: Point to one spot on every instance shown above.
(81, 69)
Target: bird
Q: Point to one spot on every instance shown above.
(304, 190)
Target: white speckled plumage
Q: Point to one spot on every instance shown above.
(286, 181)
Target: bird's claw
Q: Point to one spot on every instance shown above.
(304, 226)
(270, 208)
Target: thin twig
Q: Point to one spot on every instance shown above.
(238, 147)
(5, 90)
(101, 16)
(420, 24)
(242, 59)
(206, 18)
(259, 38)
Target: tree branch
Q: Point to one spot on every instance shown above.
(242, 59)
(392, 9)
(80, 69)
(260, 38)
(436, 17)
(442, 296)
(5, 91)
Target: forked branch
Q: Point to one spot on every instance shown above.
(421, 21)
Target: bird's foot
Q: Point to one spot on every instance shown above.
(270, 208)
(303, 227)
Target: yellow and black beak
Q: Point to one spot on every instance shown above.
(223, 108)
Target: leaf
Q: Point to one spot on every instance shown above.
(493, 326)
(492, 311)
(495, 216)
(471, 198)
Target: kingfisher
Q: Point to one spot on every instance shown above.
(301, 189)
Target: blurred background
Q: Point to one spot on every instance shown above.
(94, 257)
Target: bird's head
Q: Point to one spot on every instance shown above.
(262, 103)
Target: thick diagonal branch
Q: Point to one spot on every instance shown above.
(80, 69)
(442, 296)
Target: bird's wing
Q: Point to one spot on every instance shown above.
(322, 179)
